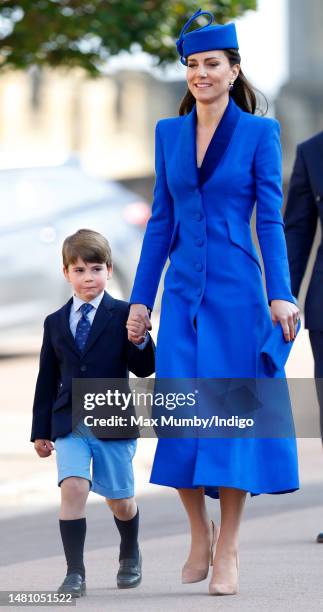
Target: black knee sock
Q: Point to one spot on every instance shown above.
(73, 537)
(129, 537)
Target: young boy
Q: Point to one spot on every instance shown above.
(87, 337)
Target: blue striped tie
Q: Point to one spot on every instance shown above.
(83, 327)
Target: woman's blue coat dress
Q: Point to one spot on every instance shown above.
(215, 320)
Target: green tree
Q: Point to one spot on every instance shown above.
(85, 33)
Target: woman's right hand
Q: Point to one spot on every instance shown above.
(139, 313)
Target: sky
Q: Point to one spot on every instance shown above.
(263, 43)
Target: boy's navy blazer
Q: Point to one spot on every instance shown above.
(107, 354)
(304, 209)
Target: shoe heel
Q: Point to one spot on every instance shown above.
(192, 574)
(214, 539)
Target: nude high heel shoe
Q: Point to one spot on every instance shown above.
(190, 573)
(217, 588)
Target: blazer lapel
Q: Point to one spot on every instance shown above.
(101, 319)
(65, 318)
(321, 150)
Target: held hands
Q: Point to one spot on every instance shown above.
(287, 314)
(43, 448)
(138, 323)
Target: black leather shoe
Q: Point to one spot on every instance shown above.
(319, 538)
(129, 574)
(73, 584)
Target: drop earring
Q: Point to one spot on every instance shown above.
(231, 84)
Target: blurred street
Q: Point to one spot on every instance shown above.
(281, 565)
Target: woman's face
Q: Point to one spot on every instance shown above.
(209, 74)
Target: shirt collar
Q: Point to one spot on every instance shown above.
(77, 302)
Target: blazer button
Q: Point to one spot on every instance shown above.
(198, 267)
(198, 216)
(199, 242)
(199, 291)
(318, 198)
(83, 368)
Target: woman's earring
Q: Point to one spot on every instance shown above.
(231, 84)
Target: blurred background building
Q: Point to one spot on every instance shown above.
(109, 121)
(299, 104)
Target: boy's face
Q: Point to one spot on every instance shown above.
(87, 279)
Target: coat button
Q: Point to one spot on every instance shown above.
(199, 242)
(198, 267)
(199, 291)
(83, 368)
(198, 216)
(318, 198)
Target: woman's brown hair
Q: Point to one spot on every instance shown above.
(243, 93)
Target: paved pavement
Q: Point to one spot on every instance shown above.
(281, 565)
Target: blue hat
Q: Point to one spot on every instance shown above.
(206, 38)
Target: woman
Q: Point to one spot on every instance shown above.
(212, 163)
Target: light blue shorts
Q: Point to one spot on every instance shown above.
(112, 471)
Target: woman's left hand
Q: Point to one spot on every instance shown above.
(287, 314)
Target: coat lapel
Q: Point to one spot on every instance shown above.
(101, 319)
(186, 145)
(220, 141)
(185, 156)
